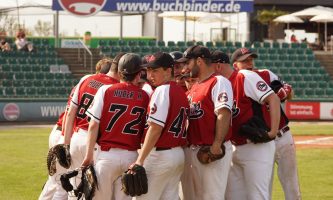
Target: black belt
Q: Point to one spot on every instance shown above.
(59, 128)
(283, 130)
(162, 148)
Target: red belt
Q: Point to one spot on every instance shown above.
(162, 148)
(283, 131)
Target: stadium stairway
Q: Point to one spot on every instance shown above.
(75, 60)
(326, 60)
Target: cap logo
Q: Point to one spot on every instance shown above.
(245, 50)
(151, 58)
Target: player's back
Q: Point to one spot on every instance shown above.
(123, 116)
(86, 92)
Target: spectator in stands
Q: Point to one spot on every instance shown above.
(21, 42)
(4, 45)
(317, 45)
(293, 39)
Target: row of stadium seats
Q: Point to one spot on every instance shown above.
(34, 68)
(152, 43)
(35, 76)
(287, 63)
(35, 92)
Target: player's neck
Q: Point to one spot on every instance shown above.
(206, 72)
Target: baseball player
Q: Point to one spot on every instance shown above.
(178, 69)
(77, 118)
(117, 120)
(285, 154)
(52, 188)
(251, 168)
(147, 87)
(210, 116)
(162, 154)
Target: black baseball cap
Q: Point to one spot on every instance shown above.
(242, 54)
(176, 55)
(129, 63)
(220, 57)
(195, 51)
(160, 59)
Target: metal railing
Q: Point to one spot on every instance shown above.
(86, 49)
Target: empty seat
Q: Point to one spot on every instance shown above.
(319, 92)
(54, 69)
(219, 44)
(180, 43)
(238, 44)
(142, 43)
(152, 43)
(200, 43)
(209, 44)
(161, 43)
(31, 91)
(171, 44)
(20, 91)
(132, 43)
(29, 75)
(267, 45)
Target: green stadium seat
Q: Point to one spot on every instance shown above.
(136, 49)
(293, 70)
(303, 70)
(180, 43)
(219, 44)
(258, 63)
(19, 76)
(298, 64)
(200, 43)
(276, 45)
(283, 70)
(7, 83)
(31, 91)
(49, 76)
(209, 44)
(238, 45)
(262, 51)
(308, 51)
(37, 83)
(9, 91)
(267, 45)
(301, 84)
(297, 77)
(174, 48)
(247, 44)
(313, 70)
(300, 51)
(145, 50)
(301, 57)
(125, 49)
(278, 64)
(263, 56)
(295, 45)
(142, 43)
(26, 68)
(329, 92)
(287, 77)
(102, 43)
(256, 44)
(171, 44)
(51, 91)
(115, 49)
(273, 57)
(161, 43)
(322, 84)
(189, 43)
(165, 49)
(299, 92)
(319, 92)
(122, 43)
(303, 45)
(113, 43)
(8, 75)
(285, 45)
(313, 84)
(309, 92)
(272, 51)
(281, 51)
(310, 57)
(155, 49)
(291, 51)
(29, 75)
(41, 91)
(229, 44)
(292, 57)
(316, 64)
(308, 64)
(15, 68)
(283, 57)
(6, 68)
(152, 43)
(132, 43)
(309, 77)
(20, 91)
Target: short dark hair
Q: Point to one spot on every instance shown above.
(128, 77)
(115, 61)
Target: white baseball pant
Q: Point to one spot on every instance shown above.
(201, 182)
(110, 165)
(285, 158)
(52, 188)
(251, 171)
(163, 169)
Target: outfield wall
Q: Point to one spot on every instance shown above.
(49, 110)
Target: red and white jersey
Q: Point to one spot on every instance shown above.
(120, 110)
(148, 88)
(268, 77)
(59, 122)
(205, 98)
(84, 95)
(250, 90)
(168, 107)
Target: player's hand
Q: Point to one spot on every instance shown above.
(215, 149)
(272, 133)
(86, 162)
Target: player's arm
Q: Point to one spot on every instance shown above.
(274, 111)
(152, 136)
(69, 123)
(91, 141)
(222, 96)
(221, 129)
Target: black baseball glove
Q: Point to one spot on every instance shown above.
(134, 181)
(205, 156)
(61, 153)
(255, 130)
(276, 85)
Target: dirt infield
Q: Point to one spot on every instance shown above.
(313, 141)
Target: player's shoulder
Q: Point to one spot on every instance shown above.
(248, 74)
(222, 79)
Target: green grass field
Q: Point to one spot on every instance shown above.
(23, 166)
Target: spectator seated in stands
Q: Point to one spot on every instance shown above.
(4, 45)
(21, 42)
(293, 39)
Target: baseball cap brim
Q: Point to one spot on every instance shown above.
(182, 60)
(244, 57)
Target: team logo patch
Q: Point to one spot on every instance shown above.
(244, 50)
(235, 110)
(153, 109)
(262, 86)
(196, 111)
(223, 97)
(82, 7)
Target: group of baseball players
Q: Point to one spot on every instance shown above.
(159, 110)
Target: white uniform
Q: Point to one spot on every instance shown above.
(251, 169)
(201, 182)
(285, 156)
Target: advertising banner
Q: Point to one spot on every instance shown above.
(91, 7)
(303, 110)
(326, 111)
(31, 111)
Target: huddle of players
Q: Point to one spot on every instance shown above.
(162, 126)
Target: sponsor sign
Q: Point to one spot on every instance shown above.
(326, 111)
(11, 111)
(303, 110)
(68, 43)
(89, 7)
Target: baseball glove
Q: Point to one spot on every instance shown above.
(64, 179)
(61, 153)
(282, 90)
(134, 181)
(255, 130)
(205, 156)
